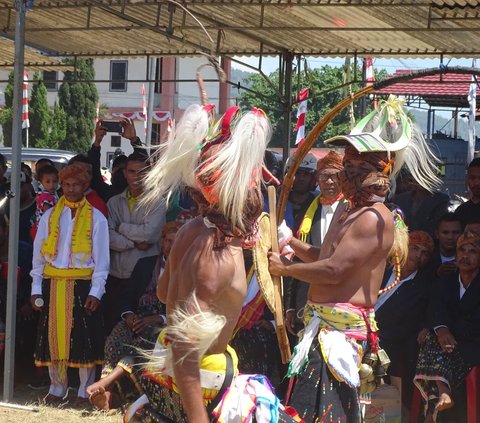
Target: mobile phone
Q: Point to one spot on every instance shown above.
(113, 126)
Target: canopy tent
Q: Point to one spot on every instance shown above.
(33, 59)
(400, 28)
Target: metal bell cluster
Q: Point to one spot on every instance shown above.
(372, 370)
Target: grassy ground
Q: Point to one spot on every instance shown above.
(44, 414)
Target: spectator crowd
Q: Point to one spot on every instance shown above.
(429, 322)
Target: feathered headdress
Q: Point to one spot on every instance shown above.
(389, 129)
(177, 159)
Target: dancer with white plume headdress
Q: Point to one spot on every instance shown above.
(192, 374)
(345, 275)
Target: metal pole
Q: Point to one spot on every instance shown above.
(14, 203)
(363, 100)
(151, 93)
(287, 104)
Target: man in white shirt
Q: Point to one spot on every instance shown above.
(313, 228)
(69, 270)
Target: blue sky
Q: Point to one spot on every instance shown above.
(270, 64)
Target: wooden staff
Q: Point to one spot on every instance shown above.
(282, 337)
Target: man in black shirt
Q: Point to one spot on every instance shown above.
(471, 209)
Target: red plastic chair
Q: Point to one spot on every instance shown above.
(472, 382)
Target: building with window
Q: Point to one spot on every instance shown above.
(120, 94)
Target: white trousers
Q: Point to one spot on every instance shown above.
(59, 389)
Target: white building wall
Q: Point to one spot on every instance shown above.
(186, 93)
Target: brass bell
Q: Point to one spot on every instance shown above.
(380, 371)
(365, 371)
(383, 358)
(370, 358)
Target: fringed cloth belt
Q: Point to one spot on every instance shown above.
(60, 312)
(339, 326)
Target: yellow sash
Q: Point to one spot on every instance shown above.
(82, 230)
(306, 224)
(60, 313)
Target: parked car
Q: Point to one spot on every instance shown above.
(60, 158)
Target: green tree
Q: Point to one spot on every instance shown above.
(39, 114)
(7, 113)
(78, 100)
(57, 130)
(325, 92)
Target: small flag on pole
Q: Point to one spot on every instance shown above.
(472, 102)
(144, 110)
(370, 76)
(301, 113)
(25, 120)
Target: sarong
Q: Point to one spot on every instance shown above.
(257, 350)
(86, 334)
(326, 362)
(225, 394)
(436, 365)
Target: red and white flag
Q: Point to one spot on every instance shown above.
(301, 113)
(472, 102)
(144, 110)
(25, 120)
(370, 76)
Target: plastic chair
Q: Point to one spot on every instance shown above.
(472, 384)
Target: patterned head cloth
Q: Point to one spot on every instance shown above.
(367, 185)
(74, 171)
(469, 238)
(332, 160)
(421, 238)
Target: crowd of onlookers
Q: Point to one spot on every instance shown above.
(140, 240)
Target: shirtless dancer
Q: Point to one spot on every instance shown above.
(345, 276)
(204, 282)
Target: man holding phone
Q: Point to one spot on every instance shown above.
(126, 129)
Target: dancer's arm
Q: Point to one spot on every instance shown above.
(364, 239)
(305, 252)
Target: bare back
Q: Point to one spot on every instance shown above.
(359, 246)
(217, 276)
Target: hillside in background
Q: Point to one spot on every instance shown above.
(443, 123)
(239, 76)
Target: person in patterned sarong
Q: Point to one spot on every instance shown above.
(192, 374)
(70, 267)
(346, 273)
(452, 347)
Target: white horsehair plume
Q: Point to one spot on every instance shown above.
(415, 153)
(188, 324)
(420, 160)
(238, 164)
(177, 157)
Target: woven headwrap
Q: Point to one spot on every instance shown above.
(367, 186)
(74, 171)
(469, 238)
(421, 238)
(332, 160)
(225, 230)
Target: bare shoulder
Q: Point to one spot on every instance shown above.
(195, 257)
(375, 216)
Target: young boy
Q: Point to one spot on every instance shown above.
(47, 196)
